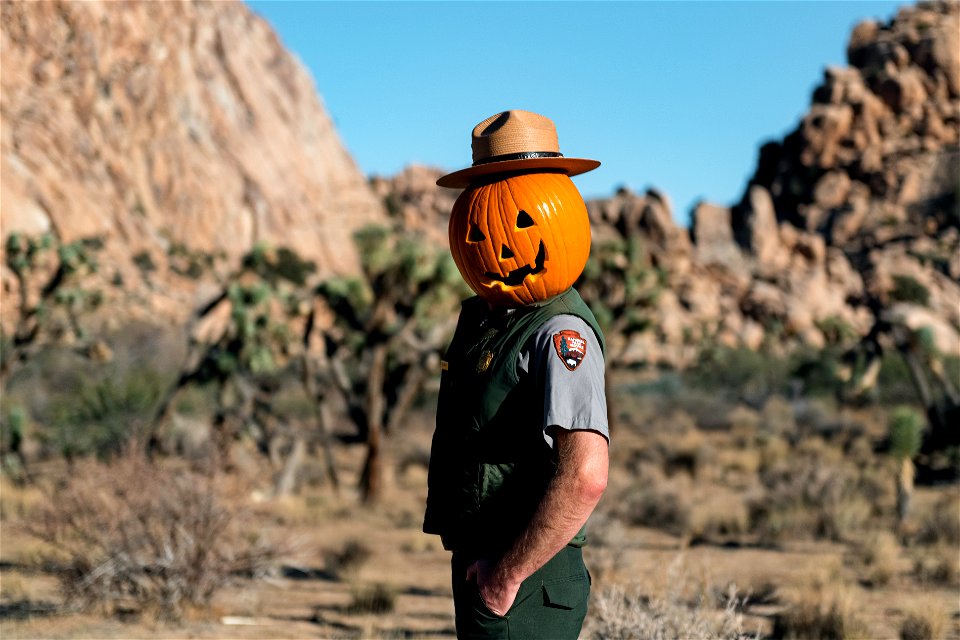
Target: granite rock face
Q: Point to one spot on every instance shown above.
(414, 201)
(854, 213)
(166, 127)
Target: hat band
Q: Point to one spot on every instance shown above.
(525, 155)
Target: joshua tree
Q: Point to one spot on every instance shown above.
(936, 390)
(372, 339)
(383, 332)
(906, 435)
(51, 299)
(261, 310)
(621, 288)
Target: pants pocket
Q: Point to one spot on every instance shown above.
(480, 605)
(566, 593)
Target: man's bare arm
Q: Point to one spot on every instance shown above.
(569, 500)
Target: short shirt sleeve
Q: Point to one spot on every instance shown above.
(566, 362)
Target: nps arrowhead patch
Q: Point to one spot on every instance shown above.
(571, 348)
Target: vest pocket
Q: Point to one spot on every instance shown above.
(492, 477)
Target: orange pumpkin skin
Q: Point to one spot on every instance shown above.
(521, 239)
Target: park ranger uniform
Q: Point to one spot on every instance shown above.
(509, 378)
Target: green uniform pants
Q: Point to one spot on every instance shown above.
(551, 603)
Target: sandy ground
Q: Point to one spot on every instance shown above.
(304, 600)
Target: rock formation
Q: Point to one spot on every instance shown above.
(414, 201)
(850, 220)
(177, 130)
(169, 128)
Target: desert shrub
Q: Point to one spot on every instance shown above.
(878, 556)
(606, 531)
(102, 416)
(938, 565)
(923, 625)
(951, 367)
(718, 518)
(275, 264)
(741, 374)
(820, 612)
(908, 289)
(744, 424)
(13, 427)
(941, 524)
(808, 495)
(710, 412)
(777, 417)
(659, 506)
(132, 534)
(817, 372)
(348, 560)
(190, 263)
(145, 262)
(616, 612)
(738, 462)
(683, 451)
(837, 331)
(773, 450)
(894, 382)
(374, 598)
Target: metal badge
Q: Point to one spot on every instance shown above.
(484, 362)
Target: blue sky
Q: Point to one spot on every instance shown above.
(672, 95)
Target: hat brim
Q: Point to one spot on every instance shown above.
(463, 178)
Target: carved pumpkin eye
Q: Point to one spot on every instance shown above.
(524, 220)
(475, 234)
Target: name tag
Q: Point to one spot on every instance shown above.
(444, 365)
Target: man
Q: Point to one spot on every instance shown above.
(520, 454)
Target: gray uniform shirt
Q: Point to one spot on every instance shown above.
(569, 373)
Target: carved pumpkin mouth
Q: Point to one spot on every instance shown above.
(516, 277)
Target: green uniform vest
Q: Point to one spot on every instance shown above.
(489, 462)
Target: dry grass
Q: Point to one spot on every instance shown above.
(685, 609)
(16, 500)
(811, 493)
(926, 623)
(376, 598)
(132, 535)
(777, 417)
(938, 565)
(660, 503)
(719, 516)
(822, 611)
(761, 502)
(940, 523)
(877, 558)
(348, 560)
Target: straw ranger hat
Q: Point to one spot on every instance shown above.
(515, 141)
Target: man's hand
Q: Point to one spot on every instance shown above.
(570, 498)
(495, 591)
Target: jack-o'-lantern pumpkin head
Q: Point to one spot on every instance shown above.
(519, 233)
(520, 239)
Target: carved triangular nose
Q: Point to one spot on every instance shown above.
(505, 252)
